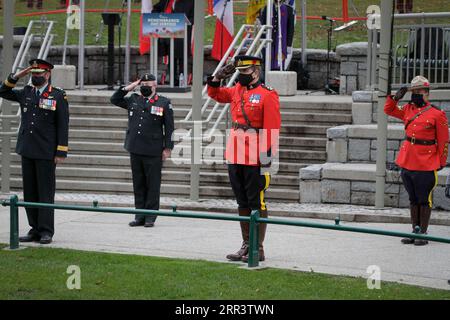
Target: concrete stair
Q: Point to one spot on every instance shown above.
(98, 163)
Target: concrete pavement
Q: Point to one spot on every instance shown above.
(296, 248)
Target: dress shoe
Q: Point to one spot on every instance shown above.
(136, 223)
(149, 224)
(45, 239)
(30, 238)
(408, 240)
(420, 242)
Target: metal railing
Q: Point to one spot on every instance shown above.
(419, 47)
(257, 44)
(254, 220)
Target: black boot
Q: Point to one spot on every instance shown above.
(415, 221)
(425, 214)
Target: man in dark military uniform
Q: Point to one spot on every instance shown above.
(42, 142)
(252, 142)
(424, 151)
(148, 140)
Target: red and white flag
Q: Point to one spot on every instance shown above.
(144, 42)
(223, 37)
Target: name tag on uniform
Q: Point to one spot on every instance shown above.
(47, 104)
(255, 98)
(157, 110)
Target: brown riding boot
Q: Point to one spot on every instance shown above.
(245, 236)
(414, 210)
(425, 214)
(262, 227)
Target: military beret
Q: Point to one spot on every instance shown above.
(244, 61)
(148, 77)
(40, 65)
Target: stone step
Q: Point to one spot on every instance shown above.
(108, 112)
(113, 149)
(119, 136)
(306, 125)
(298, 130)
(83, 147)
(108, 161)
(168, 176)
(338, 103)
(275, 194)
(309, 117)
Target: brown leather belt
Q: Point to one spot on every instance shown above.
(237, 125)
(413, 140)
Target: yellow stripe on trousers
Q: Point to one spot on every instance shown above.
(261, 194)
(430, 196)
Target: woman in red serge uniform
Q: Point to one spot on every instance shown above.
(423, 152)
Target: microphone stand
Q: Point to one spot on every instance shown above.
(327, 88)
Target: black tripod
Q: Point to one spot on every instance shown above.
(327, 87)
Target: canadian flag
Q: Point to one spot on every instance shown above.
(144, 42)
(223, 36)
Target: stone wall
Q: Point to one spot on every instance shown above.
(96, 62)
(354, 183)
(353, 69)
(358, 143)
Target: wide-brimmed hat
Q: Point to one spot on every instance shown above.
(420, 82)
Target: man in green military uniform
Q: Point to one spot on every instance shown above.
(148, 140)
(42, 142)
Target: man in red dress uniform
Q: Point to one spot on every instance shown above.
(253, 140)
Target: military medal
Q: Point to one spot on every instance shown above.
(255, 98)
(157, 110)
(47, 104)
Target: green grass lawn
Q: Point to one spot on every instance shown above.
(40, 273)
(317, 29)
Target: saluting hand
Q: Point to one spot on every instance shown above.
(166, 154)
(225, 72)
(400, 93)
(132, 85)
(23, 73)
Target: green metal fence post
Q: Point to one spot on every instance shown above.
(253, 250)
(14, 223)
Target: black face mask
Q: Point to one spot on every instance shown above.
(245, 79)
(417, 99)
(146, 91)
(38, 80)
